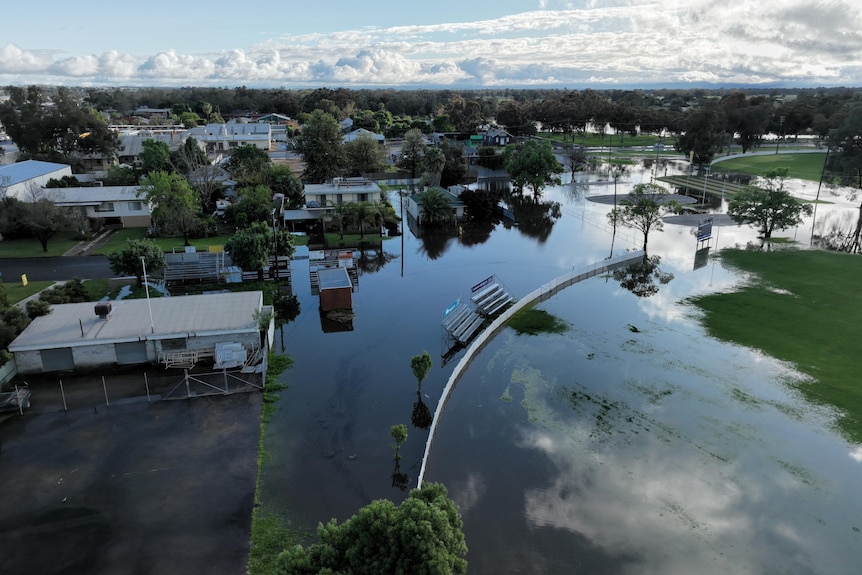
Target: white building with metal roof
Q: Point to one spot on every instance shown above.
(88, 335)
(15, 179)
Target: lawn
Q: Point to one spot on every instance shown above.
(31, 248)
(117, 241)
(802, 166)
(815, 324)
(16, 292)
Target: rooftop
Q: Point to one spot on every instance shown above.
(29, 169)
(75, 324)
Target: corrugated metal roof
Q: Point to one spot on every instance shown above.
(334, 278)
(29, 169)
(173, 317)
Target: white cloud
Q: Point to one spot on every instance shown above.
(628, 42)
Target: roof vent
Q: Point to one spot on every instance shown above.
(103, 309)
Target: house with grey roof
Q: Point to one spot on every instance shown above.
(78, 336)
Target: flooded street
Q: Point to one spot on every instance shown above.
(631, 443)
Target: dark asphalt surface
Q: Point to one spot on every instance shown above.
(165, 488)
(59, 268)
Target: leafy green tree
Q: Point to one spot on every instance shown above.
(364, 155)
(127, 262)
(489, 158)
(703, 134)
(254, 205)
(189, 119)
(768, 208)
(436, 208)
(72, 291)
(176, 205)
(643, 209)
(412, 152)
(120, 176)
(319, 143)
(423, 535)
(281, 180)
(533, 165)
(420, 365)
(399, 434)
(247, 164)
(455, 169)
(249, 248)
(155, 156)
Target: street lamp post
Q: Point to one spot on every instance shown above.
(780, 130)
(705, 176)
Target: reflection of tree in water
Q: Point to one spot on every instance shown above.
(286, 306)
(399, 479)
(643, 277)
(477, 232)
(373, 259)
(435, 241)
(535, 219)
(421, 416)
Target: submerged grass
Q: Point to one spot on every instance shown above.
(270, 534)
(532, 321)
(804, 308)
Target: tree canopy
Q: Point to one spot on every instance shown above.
(127, 262)
(320, 146)
(532, 165)
(421, 536)
(643, 209)
(768, 208)
(176, 204)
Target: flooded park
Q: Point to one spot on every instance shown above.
(629, 441)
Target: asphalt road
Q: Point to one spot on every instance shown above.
(56, 268)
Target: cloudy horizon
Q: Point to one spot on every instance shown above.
(510, 43)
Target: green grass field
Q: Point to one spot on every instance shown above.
(31, 248)
(816, 326)
(802, 166)
(117, 241)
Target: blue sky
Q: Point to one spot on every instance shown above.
(444, 43)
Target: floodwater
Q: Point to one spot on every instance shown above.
(633, 443)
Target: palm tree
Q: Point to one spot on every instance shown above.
(434, 160)
(340, 212)
(361, 214)
(436, 208)
(377, 212)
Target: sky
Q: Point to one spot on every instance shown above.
(600, 44)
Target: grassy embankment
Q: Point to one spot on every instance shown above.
(816, 326)
(802, 166)
(269, 532)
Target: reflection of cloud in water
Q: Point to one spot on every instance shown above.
(466, 493)
(660, 507)
(856, 453)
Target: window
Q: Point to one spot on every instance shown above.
(136, 206)
(105, 207)
(363, 197)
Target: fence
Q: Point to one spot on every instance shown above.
(541, 294)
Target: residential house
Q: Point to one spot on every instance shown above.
(219, 138)
(104, 205)
(496, 137)
(363, 133)
(341, 190)
(414, 208)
